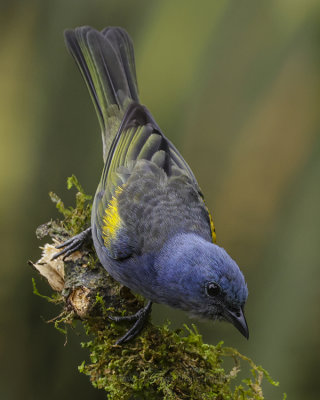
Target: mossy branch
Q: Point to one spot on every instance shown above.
(160, 363)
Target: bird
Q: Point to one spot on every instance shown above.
(150, 226)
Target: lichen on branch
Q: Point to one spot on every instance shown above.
(160, 363)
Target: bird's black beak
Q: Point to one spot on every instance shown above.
(237, 318)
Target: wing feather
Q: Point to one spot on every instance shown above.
(138, 139)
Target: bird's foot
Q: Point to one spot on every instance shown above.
(140, 319)
(73, 244)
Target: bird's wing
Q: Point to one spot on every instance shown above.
(139, 140)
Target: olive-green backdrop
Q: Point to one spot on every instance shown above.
(235, 85)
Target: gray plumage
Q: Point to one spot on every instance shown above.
(150, 226)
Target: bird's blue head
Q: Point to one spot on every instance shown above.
(200, 277)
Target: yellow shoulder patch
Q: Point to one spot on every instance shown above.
(213, 229)
(111, 219)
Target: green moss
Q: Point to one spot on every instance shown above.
(165, 364)
(160, 363)
(54, 298)
(77, 218)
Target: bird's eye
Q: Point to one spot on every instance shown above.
(213, 289)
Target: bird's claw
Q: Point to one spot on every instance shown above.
(71, 245)
(140, 319)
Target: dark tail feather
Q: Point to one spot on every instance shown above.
(106, 61)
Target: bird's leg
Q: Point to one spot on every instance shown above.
(140, 319)
(73, 244)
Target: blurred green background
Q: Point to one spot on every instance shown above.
(235, 85)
